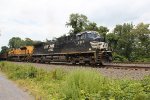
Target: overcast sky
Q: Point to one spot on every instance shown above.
(45, 19)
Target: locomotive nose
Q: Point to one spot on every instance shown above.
(97, 39)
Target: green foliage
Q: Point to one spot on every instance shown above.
(142, 59)
(84, 84)
(58, 74)
(19, 72)
(112, 39)
(119, 58)
(142, 40)
(77, 22)
(103, 30)
(16, 42)
(131, 42)
(91, 27)
(125, 40)
(79, 84)
(4, 49)
(28, 42)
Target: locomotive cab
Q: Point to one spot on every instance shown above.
(90, 35)
(96, 41)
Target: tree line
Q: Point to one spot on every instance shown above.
(128, 42)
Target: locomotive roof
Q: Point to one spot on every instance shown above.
(39, 43)
(23, 48)
(87, 32)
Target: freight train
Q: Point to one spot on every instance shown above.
(83, 48)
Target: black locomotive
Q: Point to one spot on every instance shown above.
(84, 48)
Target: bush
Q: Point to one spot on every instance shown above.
(141, 59)
(119, 58)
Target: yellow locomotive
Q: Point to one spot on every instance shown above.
(22, 54)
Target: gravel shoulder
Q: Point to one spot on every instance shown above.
(108, 72)
(10, 91)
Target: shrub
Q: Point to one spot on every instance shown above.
(119, 58)
(142, 59)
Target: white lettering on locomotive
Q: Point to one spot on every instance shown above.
(51, 47)
(46, 46)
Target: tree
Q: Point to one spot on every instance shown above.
(77, 22)
(123, 29)
(16, 42)
(118, 30)
(92, 26)
(112, 40)
(4, 49)
(103, 30)
(28, 42)
(142, 32)
(124, 45)
(142, 40)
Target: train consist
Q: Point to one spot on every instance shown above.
(83, 48)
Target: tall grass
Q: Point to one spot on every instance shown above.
(90, 85)
(75, 85)
(86, 84)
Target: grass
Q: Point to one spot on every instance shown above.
(59, 84)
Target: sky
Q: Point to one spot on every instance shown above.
(46, 19)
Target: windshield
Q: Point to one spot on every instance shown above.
(89, 36)
(92, 35)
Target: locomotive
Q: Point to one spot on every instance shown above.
(20, 54)
(86, 47)
(3, 56)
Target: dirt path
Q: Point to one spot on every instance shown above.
(9, 90)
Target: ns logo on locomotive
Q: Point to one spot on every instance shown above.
(87, 47)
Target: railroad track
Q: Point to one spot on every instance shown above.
(132, 62)
(135, 66)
